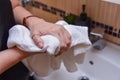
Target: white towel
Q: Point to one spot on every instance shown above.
(20, 36)
(42, 64)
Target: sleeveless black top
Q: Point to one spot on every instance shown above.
(19, 71)
(6, 22)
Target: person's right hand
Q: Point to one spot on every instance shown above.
(40, 27)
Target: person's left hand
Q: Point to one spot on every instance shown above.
(40, 27)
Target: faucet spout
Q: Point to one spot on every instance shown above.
(97, 39)
(96, 34)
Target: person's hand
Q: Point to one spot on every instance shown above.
(39, 27)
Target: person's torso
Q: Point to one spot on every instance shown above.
(19, 71)
(6, 22)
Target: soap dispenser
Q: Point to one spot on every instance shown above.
(83, 15)
(83, 19)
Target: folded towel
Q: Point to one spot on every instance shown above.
(41, 63)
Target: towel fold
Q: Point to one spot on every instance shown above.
(42, 64)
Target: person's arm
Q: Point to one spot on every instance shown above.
(39, 27)
(19, 11)
(10, 57)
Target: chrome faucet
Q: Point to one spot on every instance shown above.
(95, 37)
(98, 40)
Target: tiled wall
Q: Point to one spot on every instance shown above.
(104, 14)
(49, 9)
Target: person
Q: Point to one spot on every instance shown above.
(11, 13)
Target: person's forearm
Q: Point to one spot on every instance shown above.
(10, 57)
(19, 11)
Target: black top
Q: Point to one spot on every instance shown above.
(6, 22)
(19, 71)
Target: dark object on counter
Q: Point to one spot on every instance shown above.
(83, 15)
(83, 19)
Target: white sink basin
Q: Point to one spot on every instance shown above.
(103, 64)
(98, 65)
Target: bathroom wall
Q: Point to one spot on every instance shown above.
(104, 14)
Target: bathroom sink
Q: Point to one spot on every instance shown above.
(98, 65)
(102, 64)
